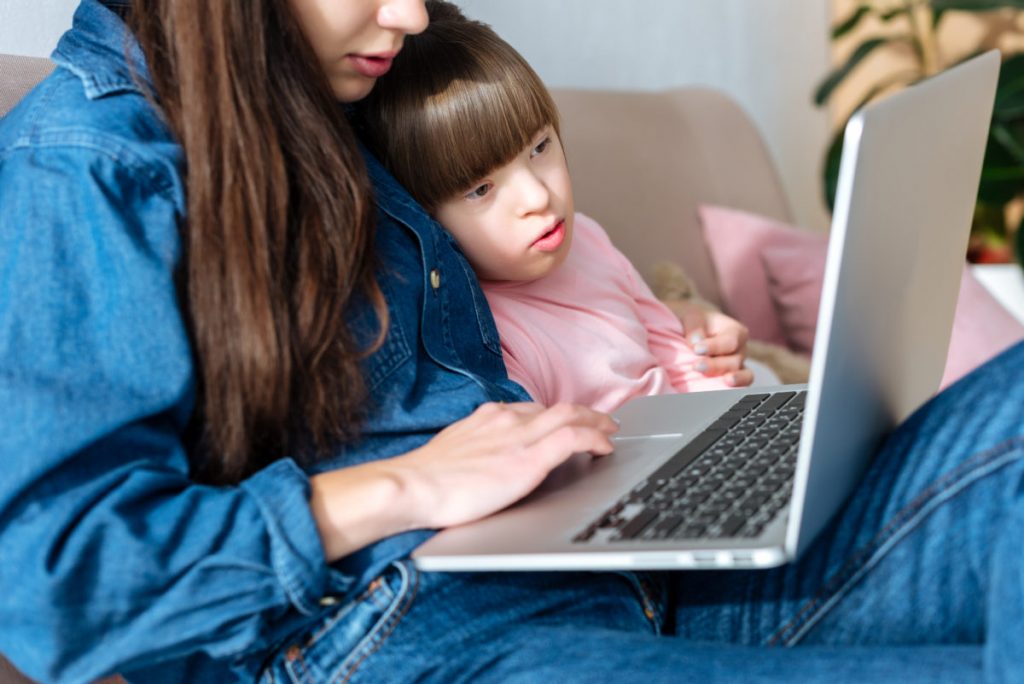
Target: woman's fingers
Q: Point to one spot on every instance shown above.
(568, 415)
(494, 457)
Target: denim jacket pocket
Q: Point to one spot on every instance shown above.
(394, 350)
(484, 318)
(333, 649)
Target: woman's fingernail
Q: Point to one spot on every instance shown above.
(696, 338)
(700, 349)
(702, 366)
(730, 380)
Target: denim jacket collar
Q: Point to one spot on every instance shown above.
(96, 50)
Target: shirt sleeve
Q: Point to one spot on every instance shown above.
(112, 557)
(665, 337)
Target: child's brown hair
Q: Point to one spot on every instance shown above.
(458, 102)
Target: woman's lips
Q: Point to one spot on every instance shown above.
(371, 66)
(551, 240)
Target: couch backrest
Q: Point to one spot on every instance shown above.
(641, 164)
(643, 161)
(17, 76)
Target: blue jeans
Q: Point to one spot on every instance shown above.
(919, 578)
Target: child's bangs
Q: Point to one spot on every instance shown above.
(478, 126)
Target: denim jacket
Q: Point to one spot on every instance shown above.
(112, 558)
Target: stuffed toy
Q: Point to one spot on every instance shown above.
(671, 282)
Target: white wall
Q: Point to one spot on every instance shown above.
(32, 27)
(768, 54)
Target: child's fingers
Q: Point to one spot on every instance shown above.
(713, 366)
(723, 344)
(744, 377)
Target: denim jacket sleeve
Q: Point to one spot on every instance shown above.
(103, 534)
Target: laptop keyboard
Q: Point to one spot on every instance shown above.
(729, 481)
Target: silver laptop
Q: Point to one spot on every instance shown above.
(747, 478)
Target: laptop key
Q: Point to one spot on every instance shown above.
(731, 525)
(635, 526)
(663, 528)
(687, 454)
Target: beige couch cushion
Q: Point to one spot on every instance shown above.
(642, 162)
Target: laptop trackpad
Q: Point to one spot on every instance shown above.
(673, 415)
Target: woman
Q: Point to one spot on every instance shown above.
(155, 380)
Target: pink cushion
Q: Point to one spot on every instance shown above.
(795, 276)
(982, 327)
(735, 240)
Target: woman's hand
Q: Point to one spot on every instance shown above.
(495, 457)
(723, 340)
(472, 468)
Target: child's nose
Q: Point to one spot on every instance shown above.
(534, 195)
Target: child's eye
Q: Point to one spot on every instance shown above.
(479, 191)
(541, 146)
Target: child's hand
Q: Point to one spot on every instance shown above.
(719, 338)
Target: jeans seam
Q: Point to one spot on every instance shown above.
(297, 666)
(903, 522)
(376, 638)
(370, 592)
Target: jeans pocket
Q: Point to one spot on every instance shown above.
(333, 649)
(652, 593)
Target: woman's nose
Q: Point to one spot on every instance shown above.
(407, 16)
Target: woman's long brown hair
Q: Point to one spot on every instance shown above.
(278, 233)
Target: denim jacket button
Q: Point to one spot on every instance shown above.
(435, 278)
(328, 601)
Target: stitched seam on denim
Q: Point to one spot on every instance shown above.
(94, 142)
(315, 637)
(376, 638)
(903, 522)
(395, 345)
(157, 182)
(297, 668)
(490, 342)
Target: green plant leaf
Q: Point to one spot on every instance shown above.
(1005, 136)
(837, 76)
(892, 14)
(1018, 242)
(1009, 104)
(976, 5)
(840, 30)
(1001, 174)
(830, 171)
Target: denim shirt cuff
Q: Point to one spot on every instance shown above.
(282, 493)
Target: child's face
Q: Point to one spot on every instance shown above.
(516, 222)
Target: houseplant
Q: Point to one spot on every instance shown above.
(911, 28)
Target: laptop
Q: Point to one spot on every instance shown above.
(747, 478)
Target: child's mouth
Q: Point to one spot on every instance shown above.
(551, 240)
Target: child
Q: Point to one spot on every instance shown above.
(468, 127)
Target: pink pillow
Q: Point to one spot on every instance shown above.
(982, 327)
(795, 276)
(735, 240)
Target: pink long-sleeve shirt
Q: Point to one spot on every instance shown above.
(591, 332)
